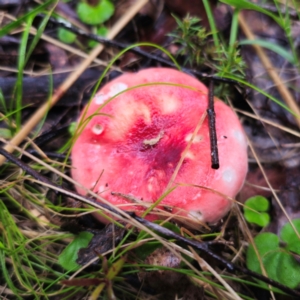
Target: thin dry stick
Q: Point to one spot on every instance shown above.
(40, 113)
(257, 117)
(284, 92)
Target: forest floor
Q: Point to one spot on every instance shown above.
(52, 56)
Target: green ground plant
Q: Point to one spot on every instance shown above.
(277, 256)
(256, 211)
(93, 15)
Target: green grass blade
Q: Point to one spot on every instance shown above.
(234, 29)
(38, 34)
(212, 24)
(21, 65)
(271, 46)
(15, 24)
(243, 4)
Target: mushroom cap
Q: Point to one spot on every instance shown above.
(133, 140)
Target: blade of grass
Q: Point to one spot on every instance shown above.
(21, 65)
(38, 34)
(234, 29)
(212, 24)
(242, 4)
(61, 44)
(270, 46)
(13, 25)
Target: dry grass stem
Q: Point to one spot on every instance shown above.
(281, 127)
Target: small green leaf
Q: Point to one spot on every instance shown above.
(255, 211)
(265, 243)
(94, 15)
(101, 31)
(289, 236)
(288, 270)
(278, 263)
(68, 257)
(72, 128)
(282, 267)
(1, 246)
(294, 246)
(5, 133)
(66, 36)
(115, 269)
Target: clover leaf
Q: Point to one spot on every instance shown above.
(278, 261)
(290, 237)
(255, 211)
(95, 15)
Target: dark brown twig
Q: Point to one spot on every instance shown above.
(212, 127)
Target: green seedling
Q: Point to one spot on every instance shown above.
(100, 30)
(279, 256)
(72, 128)
(94, 15)
(192, 39)
(255, 211)
(202, 47)
(66, 36)
(68, 257)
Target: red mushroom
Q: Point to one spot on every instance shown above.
(136, 138)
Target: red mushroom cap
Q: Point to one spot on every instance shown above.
(133, 142)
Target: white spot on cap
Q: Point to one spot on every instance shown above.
(196, 215)
(101, 98)
(97, 129)
(101, 188)
(197, 196)
(117, 88)
(197, 138)
(228, 175)
(189, 155)
(150, 187)
(239, 136)
(114, 90)
(169, 104)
